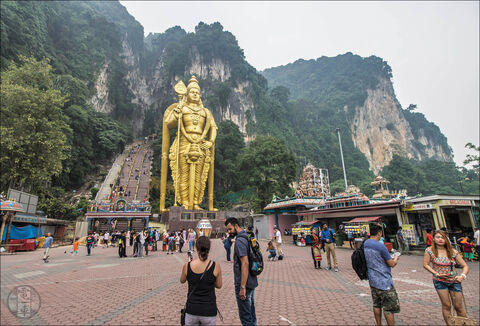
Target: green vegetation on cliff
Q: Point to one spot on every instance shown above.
(79, 38)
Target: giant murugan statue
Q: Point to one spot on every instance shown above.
(192, 152)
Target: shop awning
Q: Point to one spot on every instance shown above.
(27, 218)
(364, 219)
(306, 222)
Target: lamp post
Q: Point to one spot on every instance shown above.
(341, 154)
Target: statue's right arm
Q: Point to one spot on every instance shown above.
(170, 117)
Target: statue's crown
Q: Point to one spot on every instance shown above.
(193, 83)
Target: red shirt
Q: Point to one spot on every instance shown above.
(467, 247)
(429, 239)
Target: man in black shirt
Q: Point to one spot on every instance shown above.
(245, 283)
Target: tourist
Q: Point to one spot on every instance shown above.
(278, 241)
(191, 239)
(128, 237)
(147, 240)
(164, 240)
(439, 259)
(476, 238)
(402, 242)
(113, 238)
(171, 242)
(90, 241)
(467, 249)
(227, 244)
(429, 237)
(97, 240)
(181, 242)
(256, 233)
(316, 252)
(184, 234)
(75, 248)
(203, 276)
(245, 282)
(132, 236)
(140, 243)
(134, 241)
(122, 245)
(379, 265)
(327, 237)
(47, 244)
(105, 239)
(177, 241)
(156, 238)
(272, 251)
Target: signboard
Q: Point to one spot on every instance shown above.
(422, 206)
(455, 202)
(409, 233)
(28, 201)
(419, 207)
(11, 206)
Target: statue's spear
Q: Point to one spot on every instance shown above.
(181, 91)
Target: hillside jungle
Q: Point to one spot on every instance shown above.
(54, 142)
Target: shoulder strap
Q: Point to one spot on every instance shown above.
(188, 297)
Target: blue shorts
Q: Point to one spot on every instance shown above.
(452, 287)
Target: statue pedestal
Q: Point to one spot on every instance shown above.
(178, 218)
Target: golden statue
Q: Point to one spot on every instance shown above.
(192, 152)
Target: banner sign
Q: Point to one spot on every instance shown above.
(409, 233)
(455, 202)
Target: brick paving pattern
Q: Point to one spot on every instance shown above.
(104, 289)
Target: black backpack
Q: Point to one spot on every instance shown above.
(359, 263)
(255, 258)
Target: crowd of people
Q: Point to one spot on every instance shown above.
(142, 241)
(204, 275)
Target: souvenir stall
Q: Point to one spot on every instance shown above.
(301, 230)
(358, 227)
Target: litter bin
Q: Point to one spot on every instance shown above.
(339, 240)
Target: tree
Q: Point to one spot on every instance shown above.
(412, 107)
(403, 174)
(33, 126)
(228, 145)
(267, 166)
(281, 93)
(473, 158)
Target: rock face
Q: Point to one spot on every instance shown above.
(100, 100)
(153, 90)
(380, 130)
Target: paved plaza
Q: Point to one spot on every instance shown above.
(104, 289)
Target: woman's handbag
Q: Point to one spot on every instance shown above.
(182, 312)
(459, 320)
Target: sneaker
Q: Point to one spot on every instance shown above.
(328, 268)
(336, 269)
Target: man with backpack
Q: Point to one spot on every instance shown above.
(245, 280)
(379, 263)
(327, 237)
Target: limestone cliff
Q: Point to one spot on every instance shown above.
(100, 100)
(379, 129)
(153, 88)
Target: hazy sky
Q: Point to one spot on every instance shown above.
(432, 47)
